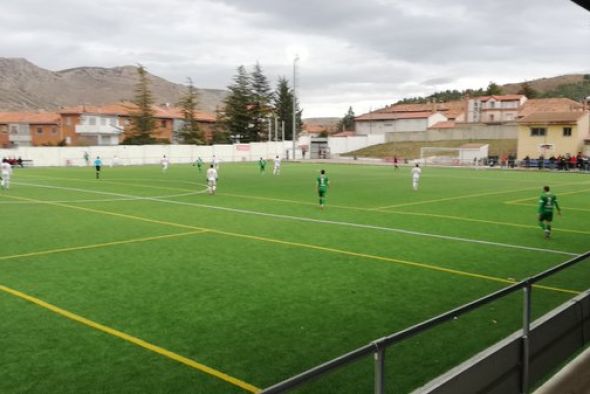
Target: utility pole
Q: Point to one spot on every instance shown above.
(295, 103)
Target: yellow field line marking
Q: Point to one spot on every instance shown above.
(450, 198)
(296, 244)
(563, 209)
(536, 198)
(483, 221)
(470, 196)
(134, 340)
(99, 245)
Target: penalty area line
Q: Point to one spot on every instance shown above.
(99, 245)
(133, 340)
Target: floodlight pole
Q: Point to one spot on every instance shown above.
(294, 134)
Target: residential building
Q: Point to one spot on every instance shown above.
(30, 128)
(553, 133)
(94, 125)
(84, 125)
(494, 109)
(402, 118)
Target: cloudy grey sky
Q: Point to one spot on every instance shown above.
(359, 53)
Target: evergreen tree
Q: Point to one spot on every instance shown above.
(527, 90)
(238, 117)
(347, 122)
(142, 119)
(190, 132)
(261, 105)
(283, 100)
(493, 89)
(221, 134)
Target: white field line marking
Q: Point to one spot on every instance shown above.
(330, 222)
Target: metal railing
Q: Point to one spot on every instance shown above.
(378, 347)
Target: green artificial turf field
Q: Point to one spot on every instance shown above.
(141, 282)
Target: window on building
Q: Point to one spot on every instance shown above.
(491, 117)
(492, 104)
(103, 121)
(92, 120)
(163, 123)
(567, 131)
(39, 130)
(113, 121)
(538, 131)
(54, 130)
(13, 130)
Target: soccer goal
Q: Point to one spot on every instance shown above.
(440, 155)
(467, 154)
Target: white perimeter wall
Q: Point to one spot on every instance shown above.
(149, 154)
(346, 144)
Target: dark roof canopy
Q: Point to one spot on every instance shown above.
(582, 3)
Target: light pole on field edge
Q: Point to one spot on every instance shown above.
(294, 103)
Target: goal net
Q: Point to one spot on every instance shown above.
(440, 155)
(465, 155)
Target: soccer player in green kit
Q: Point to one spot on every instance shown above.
(547, 202)
(323, 184)
(198, 163)
(262, 164)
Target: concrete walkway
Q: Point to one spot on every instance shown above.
(574, 378)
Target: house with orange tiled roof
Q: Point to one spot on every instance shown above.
(382, 122)
(84, 125)
(494, 109)
(553, 133)
(109, 124)
(559, 104)
(397, 118)
(30, 128)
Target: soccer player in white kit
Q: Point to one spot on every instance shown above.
(164, 162)
(6, 171)
(416, 171)
(211, 179)
(277, 168)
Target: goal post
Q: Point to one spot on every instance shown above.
(465, 155)
(440, 155)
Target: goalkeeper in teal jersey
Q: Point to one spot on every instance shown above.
(323, 183)
(547, 202)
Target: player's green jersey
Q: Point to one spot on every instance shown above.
(199, 162)
(547, 202)
(262, 163)
(323, 182)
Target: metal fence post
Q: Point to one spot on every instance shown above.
(379, 356)
(526, 323)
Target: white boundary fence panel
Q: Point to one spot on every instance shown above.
(346, 144)
(147, 154)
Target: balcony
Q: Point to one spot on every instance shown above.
(86, 129)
